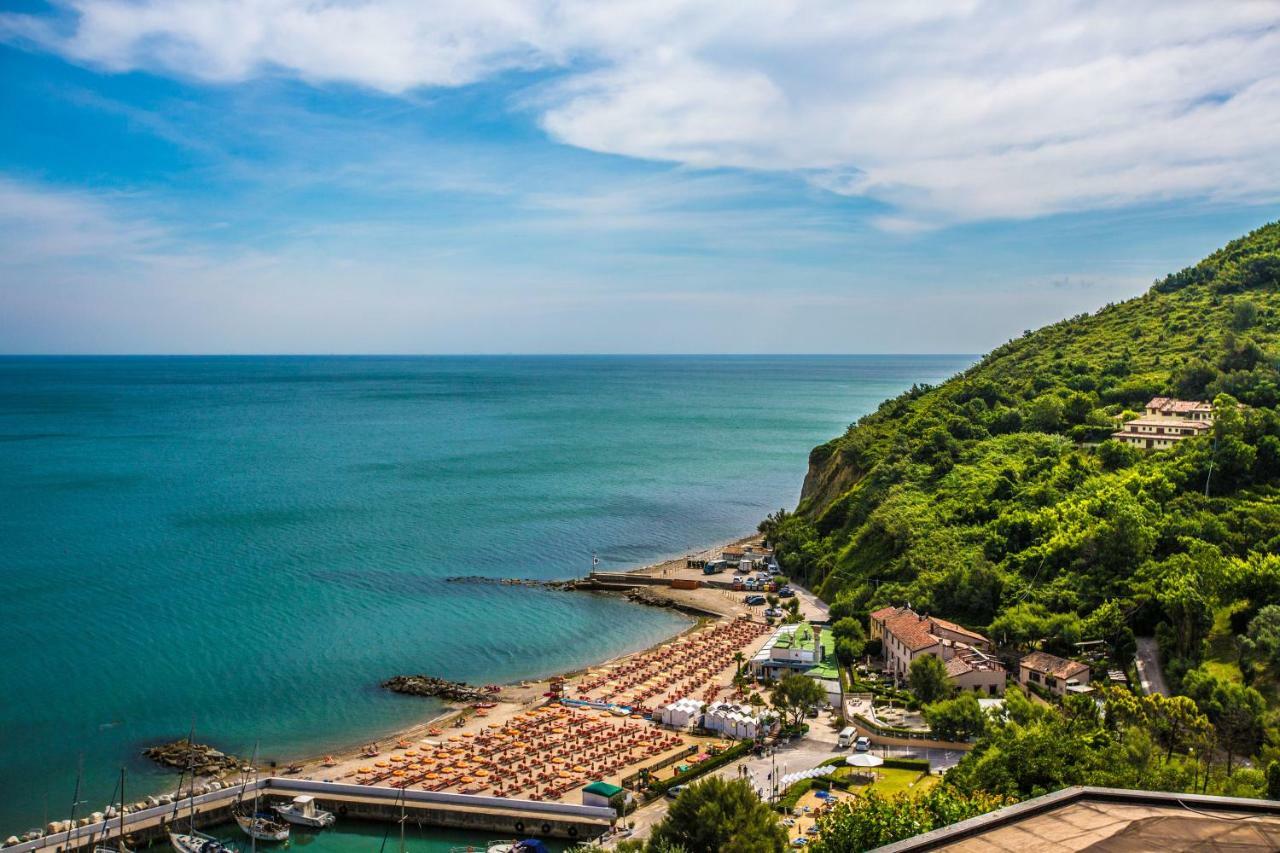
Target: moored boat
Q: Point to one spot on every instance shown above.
(263, 827)
(196, 842)
(303, 812)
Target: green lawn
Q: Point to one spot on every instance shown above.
(1220, 648)
(891, 781)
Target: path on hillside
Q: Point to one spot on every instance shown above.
(1148, 665)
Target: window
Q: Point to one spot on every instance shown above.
(1034, 676)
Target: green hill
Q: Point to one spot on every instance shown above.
(998, 500)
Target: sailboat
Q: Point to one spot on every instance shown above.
(193, 841)
(260, 826)
(119, 847)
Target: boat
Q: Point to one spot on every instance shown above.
(262, 826)
(197, 842)
(531, 845)
(303, 812)
(192, 841)
(258, 825)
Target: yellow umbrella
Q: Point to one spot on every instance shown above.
(467, 779)
(482, 772)
(380, 764)
(365, 770)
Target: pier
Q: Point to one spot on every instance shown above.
(500, 815)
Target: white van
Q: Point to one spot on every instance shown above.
(847, 735)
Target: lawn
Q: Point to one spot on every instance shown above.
(891, 781)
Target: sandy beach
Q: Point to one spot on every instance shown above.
(518, 745)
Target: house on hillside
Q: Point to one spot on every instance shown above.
(906, 635)
(1057, 675)
(1166, 422)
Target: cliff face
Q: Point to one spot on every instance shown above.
(1006, 468)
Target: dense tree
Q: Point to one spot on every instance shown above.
(719, 816)
(956, 719)
(795, 695)
(850, 639)
(1262, 641)
(928, 678)
(871, 820)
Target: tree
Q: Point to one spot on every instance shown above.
(928, 678)
(1262, 642)
(1273, 780)
(1235, 711)
(960, 718)
(795, 695)
(738, 659)
(871, 820)
(720, 815)
(851, 639)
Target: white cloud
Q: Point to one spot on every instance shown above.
(946, 111)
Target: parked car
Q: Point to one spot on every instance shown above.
(862, 744)
(786, 592)
(754, 600)
(674, 792)
(774, 613)
(750, 583)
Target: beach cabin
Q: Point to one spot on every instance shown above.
(599, 794)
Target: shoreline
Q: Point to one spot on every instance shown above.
(453, 710)
(515, 697)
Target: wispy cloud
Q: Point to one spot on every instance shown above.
(948, 112)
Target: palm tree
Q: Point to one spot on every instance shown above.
(738, 659)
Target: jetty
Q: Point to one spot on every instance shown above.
(497, 815)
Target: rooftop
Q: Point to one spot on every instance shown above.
(1053, 665)
(1108, 819)
(1173, 406)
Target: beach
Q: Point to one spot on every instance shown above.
(460, 726)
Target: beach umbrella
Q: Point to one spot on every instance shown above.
(864, 759)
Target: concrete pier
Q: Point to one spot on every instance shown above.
(365, 802)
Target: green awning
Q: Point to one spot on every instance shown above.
(604, 789)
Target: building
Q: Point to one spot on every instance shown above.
(906, 635)
(749, 557)
(792, 648)
(1166, 422)
(599, 794)
(1055, 674)
(1108, 819)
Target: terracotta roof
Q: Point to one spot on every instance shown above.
(915, 632)
(883, 612)
(1053, 665)
(1173, 406)
(957, 666)
(957, 629)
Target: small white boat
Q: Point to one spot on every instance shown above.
(303, 812)
(194, 843)
(262, 827)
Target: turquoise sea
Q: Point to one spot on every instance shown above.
(253, 543)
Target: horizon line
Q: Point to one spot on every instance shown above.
(475, 354)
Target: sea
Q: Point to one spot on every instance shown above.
(249, 545)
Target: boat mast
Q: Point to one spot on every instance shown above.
(75, 801)
(120, 841)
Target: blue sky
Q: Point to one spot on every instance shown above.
(491, 176)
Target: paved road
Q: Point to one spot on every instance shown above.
(1148, 663)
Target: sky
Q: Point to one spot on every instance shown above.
(579, 176)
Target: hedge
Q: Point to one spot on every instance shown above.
(733, 753)
(921, 764)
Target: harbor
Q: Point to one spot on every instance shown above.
(476, 814)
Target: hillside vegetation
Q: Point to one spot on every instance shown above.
(998, 500)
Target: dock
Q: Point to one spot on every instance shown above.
(500, 815)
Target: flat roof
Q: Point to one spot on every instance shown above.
(1111, 820)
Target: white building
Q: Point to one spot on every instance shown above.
(1166, 422)
(792, 648)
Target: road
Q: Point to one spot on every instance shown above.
(1148, 664)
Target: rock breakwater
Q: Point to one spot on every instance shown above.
(426, 685)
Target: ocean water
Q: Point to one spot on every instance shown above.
(252, 544)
